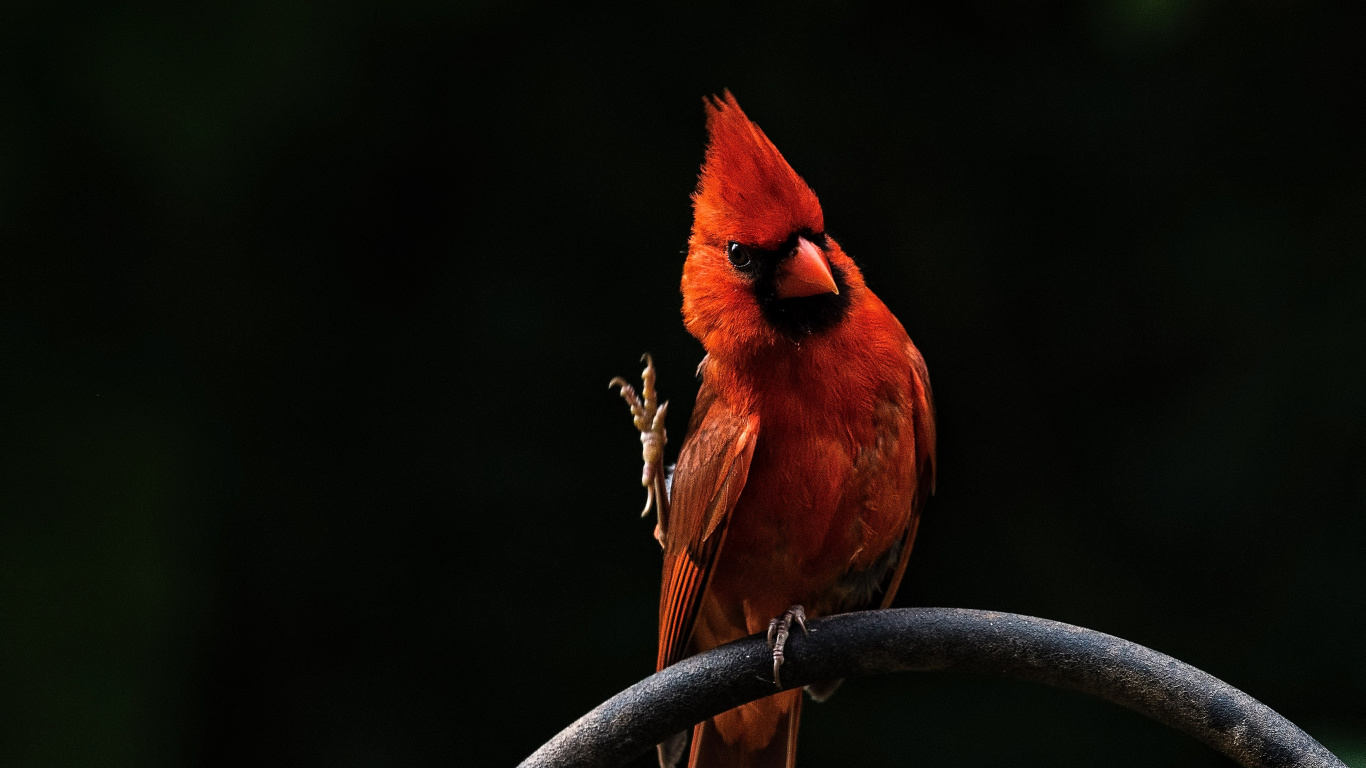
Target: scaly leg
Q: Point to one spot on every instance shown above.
(778, 631)
(648, 414)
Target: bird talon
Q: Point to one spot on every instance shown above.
(649, 501)
(779, 630)
(647, 414)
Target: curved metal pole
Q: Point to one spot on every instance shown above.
(923, 639)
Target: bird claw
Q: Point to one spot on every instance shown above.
(647, 413)
(778, 632)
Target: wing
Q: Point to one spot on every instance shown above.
(922, 425)
(707, 481)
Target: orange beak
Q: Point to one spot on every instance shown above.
(805, 273)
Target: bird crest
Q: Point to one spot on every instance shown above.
(747, 192)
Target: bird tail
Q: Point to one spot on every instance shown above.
(761, 734)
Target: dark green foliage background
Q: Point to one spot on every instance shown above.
(307, 312)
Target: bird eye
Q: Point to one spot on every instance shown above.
(738, 255)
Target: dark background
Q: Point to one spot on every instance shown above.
(308, 311)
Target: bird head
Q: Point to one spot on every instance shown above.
(761, 271)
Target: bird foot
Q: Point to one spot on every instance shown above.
(648, 415)
(778, 631)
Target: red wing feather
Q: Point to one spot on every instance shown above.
(708, 479)
(922, 412)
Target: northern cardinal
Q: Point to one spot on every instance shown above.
(810, 451)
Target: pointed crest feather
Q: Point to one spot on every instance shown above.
(747, 191)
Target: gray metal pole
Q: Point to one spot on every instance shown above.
(924, 639)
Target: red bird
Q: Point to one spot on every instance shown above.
(810, 452)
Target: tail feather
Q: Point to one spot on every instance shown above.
(761, 734)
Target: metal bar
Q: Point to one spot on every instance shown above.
(925, 639)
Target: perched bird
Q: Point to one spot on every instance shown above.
(810, 451)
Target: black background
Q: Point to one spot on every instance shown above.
(308, 312)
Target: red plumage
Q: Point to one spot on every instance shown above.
(810, 452)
